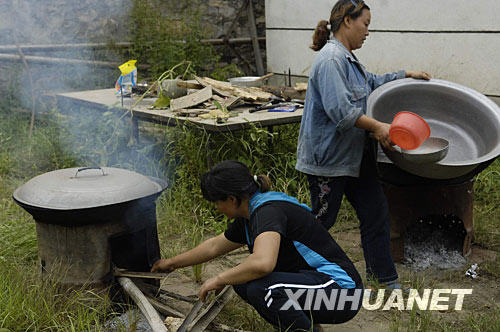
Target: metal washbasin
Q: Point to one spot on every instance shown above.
(466, 118)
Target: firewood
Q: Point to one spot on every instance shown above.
(191, 100)
(285, 92)
(251, 94)
(190, 85)
(142, 302)
(145, 275)
(208, 315)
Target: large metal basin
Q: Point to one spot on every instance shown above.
(469, 120)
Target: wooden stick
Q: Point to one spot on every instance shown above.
(145, 275)
(253, 32)
(191, 316)
(142, 302)
(208, 315)
(62, 47)
(189, 85)
(214, 89)
(61, 61)
(32, 88)
(154, 291)
(96, 46)
(164, 308)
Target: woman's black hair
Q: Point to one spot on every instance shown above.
(343, 8)
(232, 178)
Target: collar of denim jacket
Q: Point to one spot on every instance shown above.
(351, 57)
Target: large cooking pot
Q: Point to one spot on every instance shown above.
(466, 118)
(88, 219)
(90, 195)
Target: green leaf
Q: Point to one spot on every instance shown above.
(162, 102)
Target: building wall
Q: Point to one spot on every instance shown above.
(455, 40)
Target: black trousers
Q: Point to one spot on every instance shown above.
(296, 301)
(368, 199)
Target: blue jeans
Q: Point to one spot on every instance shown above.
(368, 199)
(270, 296)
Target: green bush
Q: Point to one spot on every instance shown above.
(162, 40)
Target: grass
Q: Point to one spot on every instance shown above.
(182, 154)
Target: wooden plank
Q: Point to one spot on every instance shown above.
(229, 102)
(192, 112)
(214, 308)
(421, 15)
(144, 275)
(468, 59)
(146, 308)
(189, 85)
(191, 316)
(215, 90)
(251, 94)
(255, 43)
(191, 100)
(164, 308)
(105, 100)
(154, 291)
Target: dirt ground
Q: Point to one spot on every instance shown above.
(486, 290)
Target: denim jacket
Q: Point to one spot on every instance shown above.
(329, 144)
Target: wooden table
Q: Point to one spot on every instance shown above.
(105, 99)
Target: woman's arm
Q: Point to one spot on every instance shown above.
(204, 252)
(257, 265)
(379, 130)
(377, 80)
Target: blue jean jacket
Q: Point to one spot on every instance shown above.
(329, 143)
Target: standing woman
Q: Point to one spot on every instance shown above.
(333, 148)
(296, 275)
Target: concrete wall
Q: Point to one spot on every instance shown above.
(455, 40)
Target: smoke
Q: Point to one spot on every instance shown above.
(90, 136)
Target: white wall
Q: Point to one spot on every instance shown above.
(455, 40)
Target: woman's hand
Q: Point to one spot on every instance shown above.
(381, 134)
(163, 265)
(209, 285)
(418, 74)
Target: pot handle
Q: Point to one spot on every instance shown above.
(87, 168)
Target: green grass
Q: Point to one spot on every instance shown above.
(28, 302)
(431, 321)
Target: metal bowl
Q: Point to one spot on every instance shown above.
(432, 150)
(466, 118)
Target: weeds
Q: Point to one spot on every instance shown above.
(28, 303)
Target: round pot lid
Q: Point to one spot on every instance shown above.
(82, 188)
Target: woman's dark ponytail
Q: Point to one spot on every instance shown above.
(232, 178)
(321, 35)
(264, 182)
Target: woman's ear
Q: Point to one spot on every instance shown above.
(232, 199)
(347, 21)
